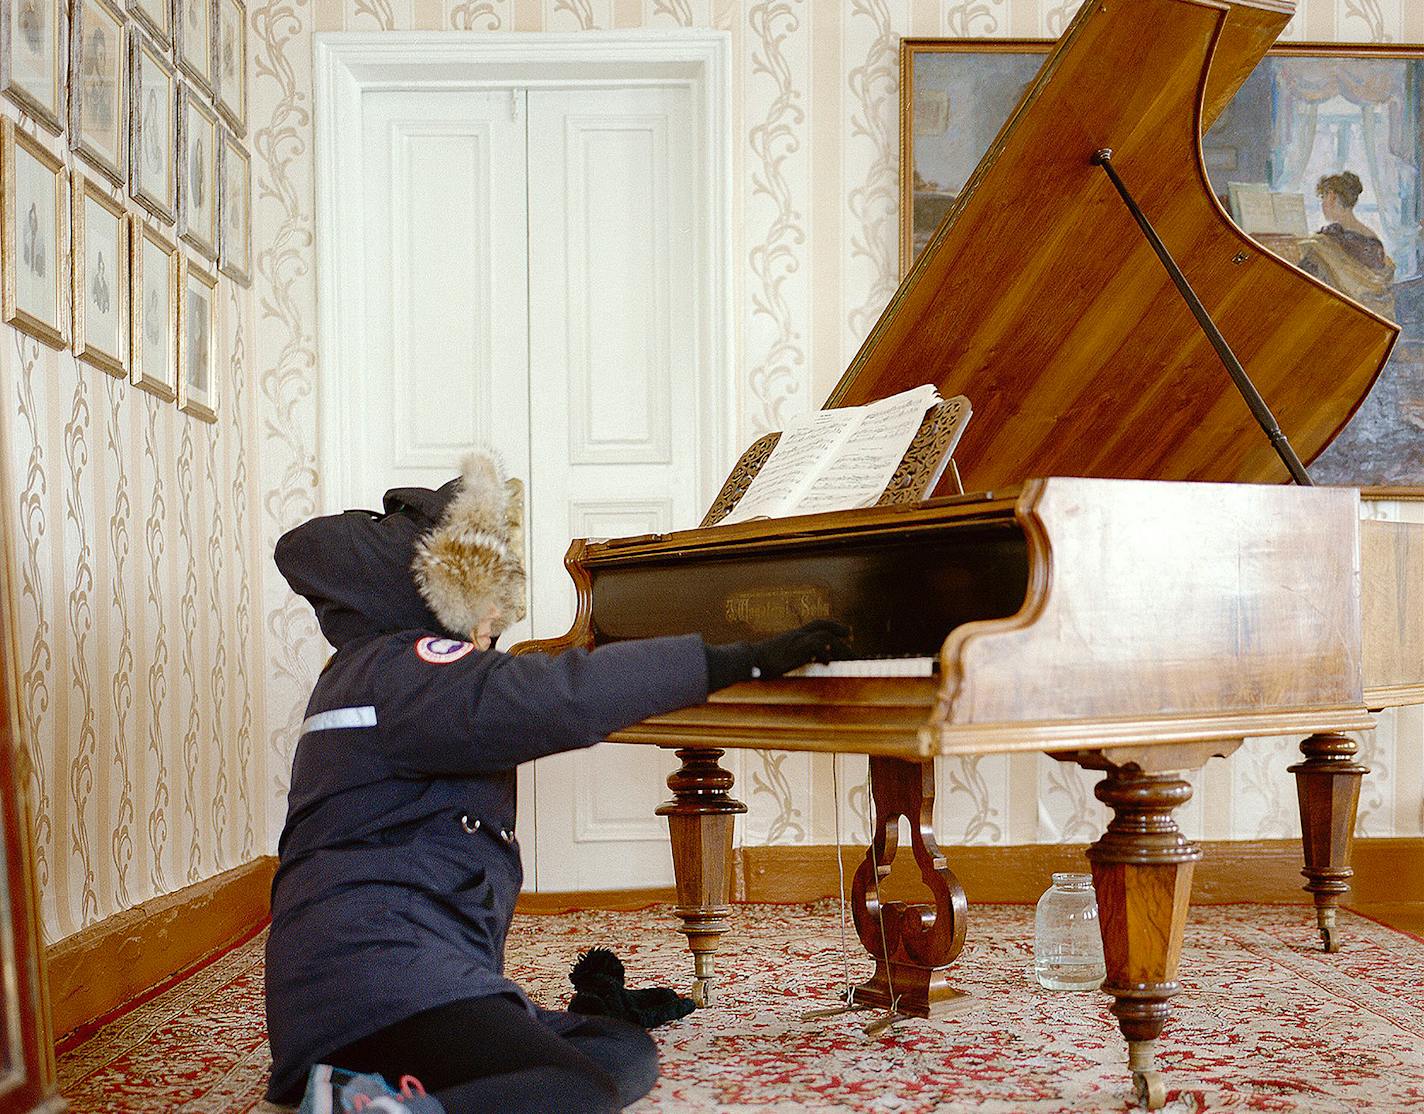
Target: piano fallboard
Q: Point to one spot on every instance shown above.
(1071, 613)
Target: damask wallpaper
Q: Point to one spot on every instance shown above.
(134, 529)
(163, 664)
(815, 131)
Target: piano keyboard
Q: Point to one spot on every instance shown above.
(872, 667)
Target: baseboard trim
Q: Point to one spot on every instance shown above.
(102, 967)
(1267, 870)
(572, 900)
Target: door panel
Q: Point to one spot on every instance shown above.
(613, 383)
(446, 290)
(447, 311)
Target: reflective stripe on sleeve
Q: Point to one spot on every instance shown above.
(364, 716)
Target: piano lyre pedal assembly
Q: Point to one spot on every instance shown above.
(1135, 585)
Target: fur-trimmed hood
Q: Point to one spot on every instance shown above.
(357, 569)
(471, 566)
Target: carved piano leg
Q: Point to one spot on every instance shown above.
(1328, 785)
(700, 817)
(1142, 871)
(912, 945)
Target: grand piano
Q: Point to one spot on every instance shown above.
(1133, 585)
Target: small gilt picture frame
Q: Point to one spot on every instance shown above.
(230, 63)
(100, 273)
(235, 241)
(153, 129)
(197, 343)
(32, 286)
(97, 122)
(193, 41)
(32, 58)
(153, 319)
(155, 17)
(197, 174)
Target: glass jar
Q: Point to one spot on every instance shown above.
(1067, 945)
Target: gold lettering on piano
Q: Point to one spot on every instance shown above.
(769, 610)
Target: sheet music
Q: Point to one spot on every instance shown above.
(1288, 210)
(1252, 207)
(835, 459)
(858, 474)
(1256, 210)
(793, 463)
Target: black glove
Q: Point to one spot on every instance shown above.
(822, 640)
(599, 990)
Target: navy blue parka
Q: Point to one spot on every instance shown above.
(398, 864)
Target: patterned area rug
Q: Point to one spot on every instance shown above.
(1265, 1023)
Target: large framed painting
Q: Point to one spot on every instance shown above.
(1320, 157)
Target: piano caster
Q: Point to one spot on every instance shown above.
(1151, 1089)
(701, 993)
(1329, 931)
(1147, 1081)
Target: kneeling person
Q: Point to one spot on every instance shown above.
(398, 864)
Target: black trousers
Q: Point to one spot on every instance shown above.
(491, 1056)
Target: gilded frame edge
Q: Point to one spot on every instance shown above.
(81, 189)
(236, 117)
(51, 334)
(51, 121)
(140, 231)
(192, 406)
(117, 174)
(147, 26)
(190, 97)
(242, 275)
(167, 213)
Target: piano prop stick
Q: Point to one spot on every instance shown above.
(1133, 586)
(1259, 410)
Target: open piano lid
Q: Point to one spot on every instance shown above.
(1040, 299)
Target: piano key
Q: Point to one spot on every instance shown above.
(871, 667)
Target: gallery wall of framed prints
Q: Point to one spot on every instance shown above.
(126, 184)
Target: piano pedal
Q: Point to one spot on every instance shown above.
(836, 1011)
(882, 1024)
(849, 1005)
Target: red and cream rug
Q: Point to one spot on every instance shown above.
(1265, 1023)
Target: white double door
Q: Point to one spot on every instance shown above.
(530, 284)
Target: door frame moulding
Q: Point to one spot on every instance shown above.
(348, 65)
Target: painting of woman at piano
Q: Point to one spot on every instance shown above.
(1347, 253)
(1342, 131)
(1326, 141)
